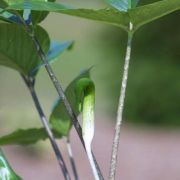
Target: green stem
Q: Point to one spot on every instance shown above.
(115, 145)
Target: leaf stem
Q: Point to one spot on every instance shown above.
(71, 158)
(30, 84)
(60, 91)
(115, 145)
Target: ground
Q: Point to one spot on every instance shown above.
(145, 154)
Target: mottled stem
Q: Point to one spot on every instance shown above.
(30, 84)
(60, 92)
(113, 163)
(71, 158)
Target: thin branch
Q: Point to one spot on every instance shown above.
(60, 92)
(115, 145)
(71, 158)
(30, 85)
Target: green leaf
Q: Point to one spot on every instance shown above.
(6, 172)
(123, 5)
(145, 14)
(109, 16)
(137, 16)
(3, 4)
(24, 137)
(59, 118)
(17, 50)
(39, 6)
(36, 17)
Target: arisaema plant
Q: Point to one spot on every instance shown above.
(25, 45)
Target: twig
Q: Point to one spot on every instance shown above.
(30, 84)
(71, 158)
(115, 145)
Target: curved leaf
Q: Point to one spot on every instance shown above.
(17, 50)
(38, 6)
(110, 16)
(137, 16)
(24, 137)
(6, 172)
(36, 17)
(147, 13)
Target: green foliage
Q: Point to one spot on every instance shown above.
(145, 14)
(24, 137)
(17, 50)
(6, 172)
(137, 16)
(39, 6)
(36, 17)
(59, 118)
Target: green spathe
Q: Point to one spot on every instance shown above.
(59, 119)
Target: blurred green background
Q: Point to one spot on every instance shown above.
(153, 91)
